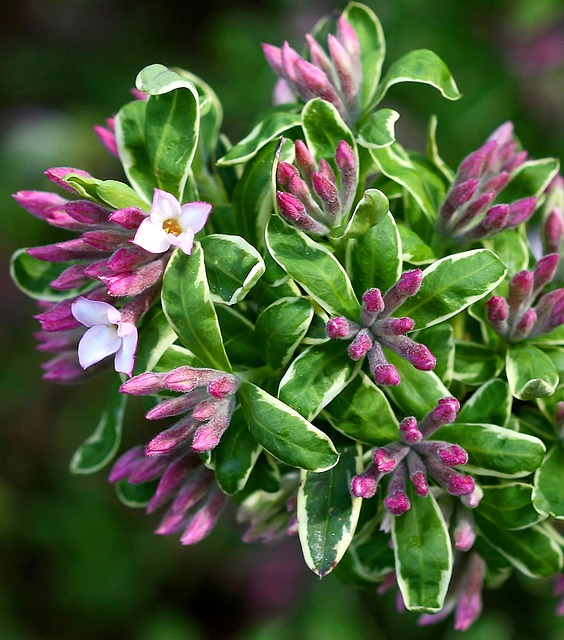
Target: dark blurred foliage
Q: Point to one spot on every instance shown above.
(74, 562)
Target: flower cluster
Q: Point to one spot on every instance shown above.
(336, 77)
(313, 197)
(208, 399)
(515, 318)
(416, 456)
(195, 499)
(377, 329)
(467, 213)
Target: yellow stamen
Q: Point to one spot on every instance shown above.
(172, 226)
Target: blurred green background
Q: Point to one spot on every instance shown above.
(74, 562)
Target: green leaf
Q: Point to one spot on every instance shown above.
(509, 506)
(362, 412)
(532, 551)
(281, 327)
(235, 455)
(155, 338)
(187, 304)
(372, 45)
(119, 195)
(284, 433)
(233, 267)
(172, 124)
(367, 563)
(271, 126)
(132, 150)
(378, 129)
(439, 339)
(374, 259)
(453, 283)
(475, 363)
(512, 249)
(530, 372)
(369, 211)
(422, 66)
(423, 554)
(327, 512)
(432, 150)
(548, 496)
(100, 448)
(418, 391)
(529, 179)
(495, 451)
(532, 421)
(324, 129)
(490, 403)
(313, 266)
(33, 277)
(174, 357)
(239, 337)
(414, 250)
(316, 376)
(135, 496)
(85, 186)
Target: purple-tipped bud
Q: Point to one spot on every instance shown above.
(494, 221)
(317, 55)
(294, 210)
(496, 183)
(285, 173)
(70, 278)
(174, 406)
(304, 159)
(393, 326)
(408, 285)
(469, 604)
(497, 309)
(222, 386)
(410, 431)
(446, 410)
(107, 136)
(520, 288)
(397, 503)
(553, 230)
(471, 167)
(325, 169)
(520, 211)
(420, 357)
(168, 441)
(386, 375)
(458, 485)
(312, 82)
(361, 344)
(289, 59)
(186, 379)
(524, 326)
(58, 174)
(373, 301)
(176, 473)
(464, 533)
(387, 458)
(205, 409)
(87, 212)
(206, 439)
(135, 282)
(452, 455)
(341, 329)
(545, 270)
(458, 196)
(204, 520)
(148, 469)
(345, 71)
(345, 158)
(129, 218)
(365, 484)
(419, 480)
(327, 192)
(273, 56)
(348, 38)
(145, 384)
(42, 204)
(126, 464)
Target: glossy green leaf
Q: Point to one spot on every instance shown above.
(367, 563)
(284, 433)
(495, 451)
(119, 195)
(530, 372)
(422, 66)
(490, 403)
(233, 267)
(281, 327)
(327, 511)
(533, 422)
(432, 150)
(374, 259)
(378, 129)
(323, 129)
(532, 551)
(369, 211)
(316, 376)
(135, 496)
(313, 266)
(509, 505)
(512, 249)
(439, 339)
(174, 357)
(33, 277)
(85, 186)
(239, 337)
(529, 179)
(362, 412)
(271, 126)
(475, 363)
(423, 554)
(453, 283)
(235, 455)
(101, 447)
(372, 44)
(155, 337)
(187, 304)
(548, 496)
(414, 250)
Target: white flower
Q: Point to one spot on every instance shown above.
(107, 334)
(170, 224)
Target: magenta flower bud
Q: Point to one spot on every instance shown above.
(327, 192)
(312, 82)
(318, 56)
(409, 430)
(147, 469)
(87, 212)
(553, 230)
(524, 326)
(347, 36)
(273, 56)
(394, 326)
(70, 278)
(494, 221)
(58, 318)
(125, 464)
(135, 282)
(386, 375)
(373, 301)
(344, 67)
(196, 487)
(365, 484)
(75, 249)
(497, 309)
(145, 384)
(293, 210)
(408, 285)
(464, 533)
(171, 439)
(520, 288)
(417, 354)
(204, 520)
(64, 369)
(205, 409)
(419, 480)
(387, 458)
(284, 174)
(496, 183)
(57, 175)
(222, 386)
(452, 455)
(520, 211)
(129, 218)
(289, 59)
(397, 503)
(474, 209)
(471, 167)
(361, 344)
(458, 196)
(517, 160)
(472, 500)
(107, 137)
(304, 159)
(174, 475)
(345, 158)
(340, 328)
(446, 410)
(206, 438)
(186, 379)
(175, 406)
(545, 270)
(325, 169)
(469, 604)
(458, 485)
(40, 203)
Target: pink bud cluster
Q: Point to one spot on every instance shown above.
(107, 134)
(311, 195)
(335, 77)
(515, 318)
(467, 212)
(415, 456)
(206, 406)
(377, 330)
(195, 499)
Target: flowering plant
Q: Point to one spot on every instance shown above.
(355, 343)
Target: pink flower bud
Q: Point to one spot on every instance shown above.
(284, 174)
(419, 480)
(520, 211)
(553, 230)
(387, 458)
(135, 282)
(304, 159)
(57, 175)
(148, 469)
(204, 520)
(496, 183)
(340, 328)
(125, 464)
(289, 58)
(545, 270)
(171, 439)
(460, 485)
(327, 192)
(360, 345)
(373, 301)
(497, 309)
(523, 328)
(317, 55)
(409, 430)
(452, 455)
(312, 82)
(273, 56)
(87, 212)
(107, 137)
(365, 484)
(397, 503)
(145, 384)
(222, 386)
(446, 410)
(129, 218)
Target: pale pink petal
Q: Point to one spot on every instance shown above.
(96, 344)
(164, 207)
(185, 241)
(91, 312)
(125, 356)
(152, 237)
(194, 215)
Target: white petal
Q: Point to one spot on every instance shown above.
(194, 215)
(185, 241)
(165, 207)
(125, 356)
(152, 237)
(92, 312)
(96, 344)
